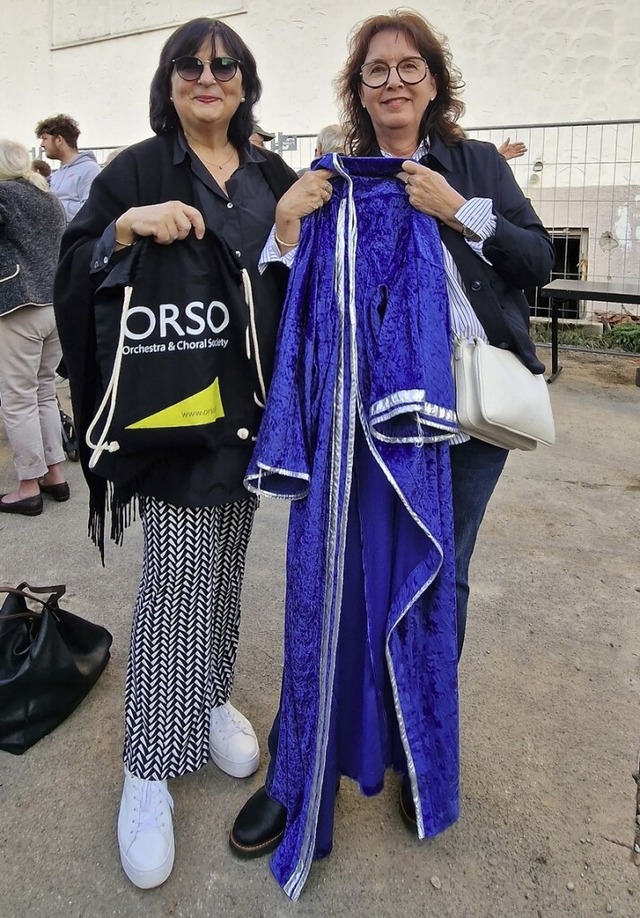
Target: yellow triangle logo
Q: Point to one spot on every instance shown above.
(204, 407)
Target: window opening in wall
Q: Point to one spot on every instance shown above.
(570, 264)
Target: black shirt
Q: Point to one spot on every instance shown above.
(244, 215)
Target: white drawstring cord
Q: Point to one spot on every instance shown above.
(110, 395)
(10, 276)
(252, 336)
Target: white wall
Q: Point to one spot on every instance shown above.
(522, 60)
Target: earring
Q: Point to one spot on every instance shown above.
(243, 99)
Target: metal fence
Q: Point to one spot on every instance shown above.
(583, 178)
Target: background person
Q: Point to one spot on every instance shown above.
(115, 152)
(399, 93)
(31, 226)
(70, 183)
(260, 137)
(512, 150)
(198, 173)
(42, 168)
(330, 139)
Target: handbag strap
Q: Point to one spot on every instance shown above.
(54, 593)
(485, 304)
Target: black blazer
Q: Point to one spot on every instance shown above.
(521, 252)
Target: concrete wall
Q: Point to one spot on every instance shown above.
(523, 60)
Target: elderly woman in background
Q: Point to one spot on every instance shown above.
(31, 226)
(399, 93)
(330, 139)
(199, 173)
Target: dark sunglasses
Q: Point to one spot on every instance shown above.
(191, 68)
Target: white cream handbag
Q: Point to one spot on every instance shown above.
(498, 399)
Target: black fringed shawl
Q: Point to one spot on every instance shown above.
(144, 174)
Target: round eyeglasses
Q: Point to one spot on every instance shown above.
(410, 70)
(191, 68)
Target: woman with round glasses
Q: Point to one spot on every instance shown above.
(399, 93)
(198, 173)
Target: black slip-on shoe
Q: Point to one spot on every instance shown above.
(59, 492)
(407, 807)
(259, 826)
(28, 506)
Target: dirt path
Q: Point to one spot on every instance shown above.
(550, 703)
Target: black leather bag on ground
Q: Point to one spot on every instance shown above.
(49, 660)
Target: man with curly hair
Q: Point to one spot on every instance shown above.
(58, 137)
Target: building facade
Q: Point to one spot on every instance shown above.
(522, 60)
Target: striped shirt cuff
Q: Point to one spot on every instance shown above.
(477, 214)
(271, 252)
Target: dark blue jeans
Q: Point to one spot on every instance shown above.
(475, 470)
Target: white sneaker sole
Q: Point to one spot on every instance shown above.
(148, 879)
(235, 769)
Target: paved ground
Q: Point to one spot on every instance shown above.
(550, 684)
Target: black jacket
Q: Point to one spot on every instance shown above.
(145, 174)
(31, 226)
(521, 252)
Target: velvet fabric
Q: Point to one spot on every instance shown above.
(355, 431)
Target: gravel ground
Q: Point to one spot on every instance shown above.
(550, 684)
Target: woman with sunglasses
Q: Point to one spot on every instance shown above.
(394, 704)
(198, 173)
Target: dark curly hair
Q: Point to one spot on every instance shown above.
(187, 40)
(440, 116)
(60, 126)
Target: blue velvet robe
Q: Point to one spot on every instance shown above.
(355, 432)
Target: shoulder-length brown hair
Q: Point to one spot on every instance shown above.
(441, 115)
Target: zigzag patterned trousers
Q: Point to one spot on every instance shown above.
(185, 632)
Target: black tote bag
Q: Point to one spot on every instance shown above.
(49, 661)
(178, 352)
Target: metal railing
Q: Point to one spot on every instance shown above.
(583, 178)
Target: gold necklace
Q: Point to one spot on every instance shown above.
(218, 165)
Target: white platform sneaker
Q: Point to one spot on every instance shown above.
(145, 831)
(232, 742)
